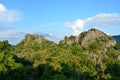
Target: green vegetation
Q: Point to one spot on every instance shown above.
(39, 59)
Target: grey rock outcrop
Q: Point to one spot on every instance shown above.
(90, 36)
(32, 38)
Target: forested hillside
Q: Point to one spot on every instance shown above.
(92, 55)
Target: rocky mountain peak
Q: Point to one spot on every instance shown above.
(90, 36)
(93, 35)
(31, 38)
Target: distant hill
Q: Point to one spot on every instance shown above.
(117, 38)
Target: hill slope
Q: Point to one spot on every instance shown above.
(89, 56)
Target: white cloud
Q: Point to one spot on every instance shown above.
(78, 24)
(10, 33)
(4, 28)
(2, 8)
(12, 36)
(100, 20)
(6, 32)
(7, 15)
(103, 20)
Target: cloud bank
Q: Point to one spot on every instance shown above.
(12, 36)
(9, 33)
(7, 15)
(100, 20)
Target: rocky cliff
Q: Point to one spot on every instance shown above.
(32, 38)
(90, 36)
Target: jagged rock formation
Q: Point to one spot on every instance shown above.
(33, 38)
(30, 44)
(93, 35)
(90, 36)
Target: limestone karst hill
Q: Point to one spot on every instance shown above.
(92, 55)
(87, 37)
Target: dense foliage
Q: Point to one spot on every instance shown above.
(30, 60)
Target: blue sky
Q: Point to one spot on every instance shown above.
(57, 18)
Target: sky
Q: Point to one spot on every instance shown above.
(55, 19)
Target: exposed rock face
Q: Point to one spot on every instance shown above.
(110, 43)
(91, 36)
(118, 58)
(29, 44)
(32, 38)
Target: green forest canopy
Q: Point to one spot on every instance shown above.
(50, 61)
